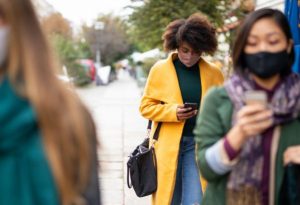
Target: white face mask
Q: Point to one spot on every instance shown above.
(4, 33)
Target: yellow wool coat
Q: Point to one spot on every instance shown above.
(162, 86)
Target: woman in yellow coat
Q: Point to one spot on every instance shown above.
(184, 77)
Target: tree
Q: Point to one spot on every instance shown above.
(111, 39)
(147, 22)
(64, 49)
(55, 23)
(67, 49)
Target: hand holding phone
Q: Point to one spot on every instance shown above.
(194, 106)
(186, 111)
(251, 120)
(255, 97)
(255, 117)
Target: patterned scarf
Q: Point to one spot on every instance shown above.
(246, 176)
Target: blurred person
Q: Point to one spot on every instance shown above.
(183, 77)
(245, 144)
(47, 137)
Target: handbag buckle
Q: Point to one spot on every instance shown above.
(153, 142)
(148, 133)
(148, 136)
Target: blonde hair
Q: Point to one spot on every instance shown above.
(66, 126)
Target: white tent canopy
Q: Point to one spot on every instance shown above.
(136, 56)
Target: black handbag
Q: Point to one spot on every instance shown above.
(141, 166)
(290, 188)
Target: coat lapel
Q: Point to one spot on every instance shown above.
(174, 88)
(207, 79)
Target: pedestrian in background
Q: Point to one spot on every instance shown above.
(248, 130)
(183, 77)
(47, 137)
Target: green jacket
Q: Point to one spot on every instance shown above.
(213, 123)
(25, 174)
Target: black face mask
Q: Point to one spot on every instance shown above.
(266, 64)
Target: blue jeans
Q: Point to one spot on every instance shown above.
(188, 189)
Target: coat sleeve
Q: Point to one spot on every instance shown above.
(152, 109)
(208, 131)
(151, 106)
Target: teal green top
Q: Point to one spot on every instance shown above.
(25, 175)
(213, 123)
(190, 87)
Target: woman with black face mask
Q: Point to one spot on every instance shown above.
(246, 142)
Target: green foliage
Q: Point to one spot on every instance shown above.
(142, 70)
(147, 65)
(68, 51)
(78, 73)
(84, 50)
(149, 20)
(64, 49)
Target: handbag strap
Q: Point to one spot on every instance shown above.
(156, 133)
(149, 125)
(129, 184)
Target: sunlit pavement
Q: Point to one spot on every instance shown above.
(120, 128)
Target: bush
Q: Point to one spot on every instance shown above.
(147, 65)
(142, 70)
(78, 73)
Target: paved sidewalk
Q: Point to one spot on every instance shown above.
(120, 128)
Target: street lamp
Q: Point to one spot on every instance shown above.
(98, 27)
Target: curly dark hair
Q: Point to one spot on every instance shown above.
(196, 31)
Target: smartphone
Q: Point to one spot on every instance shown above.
(194, 106)
(255, 96)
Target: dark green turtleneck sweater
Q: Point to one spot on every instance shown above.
(190, 86)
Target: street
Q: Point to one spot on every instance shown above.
(120, 128)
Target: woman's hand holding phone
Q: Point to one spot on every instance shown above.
(185, 112)
(251, 120)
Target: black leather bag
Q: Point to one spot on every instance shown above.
(141, 167)
(290, 188)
